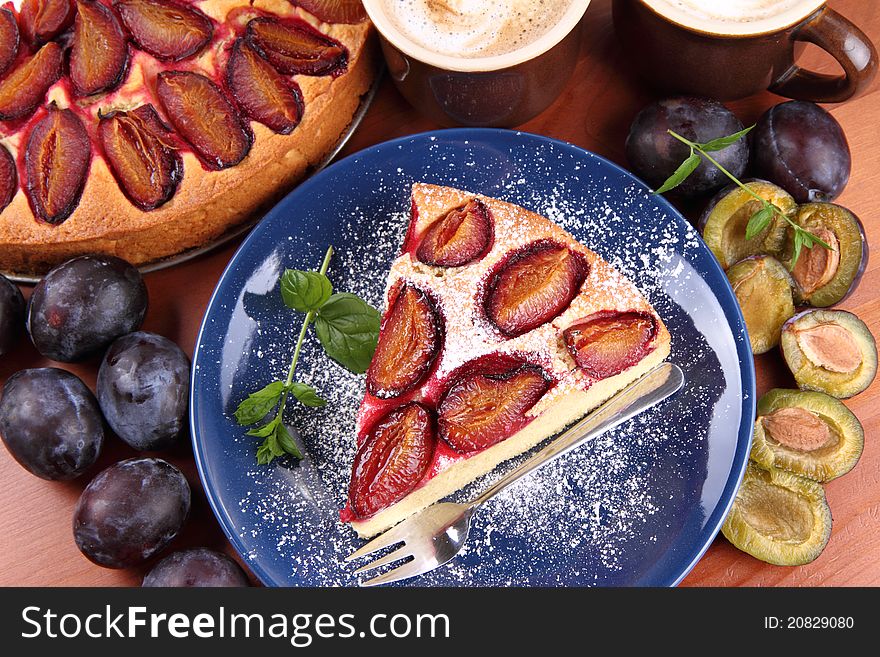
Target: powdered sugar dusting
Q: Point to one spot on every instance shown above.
(604, 514)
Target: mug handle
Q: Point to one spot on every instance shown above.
(847, 44)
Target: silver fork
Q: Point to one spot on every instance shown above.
(434, 535)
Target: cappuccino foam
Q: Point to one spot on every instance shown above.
(475, 28)
(735, 16)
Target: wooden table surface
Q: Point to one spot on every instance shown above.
(594, 112)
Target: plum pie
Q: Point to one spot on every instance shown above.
(499, 330)
(143, 128)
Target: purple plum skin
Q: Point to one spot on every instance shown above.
(50, 423)
(143, 390)
(802, 148)
(198, 567)
(131, 511)
(83, 305)
(12, 309)
(654, 154)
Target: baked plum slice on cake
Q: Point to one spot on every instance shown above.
(537, 330)
(481, 409)
(295, 47)
(24, 88)
(167, 30)
(263, 93)
(533, 286)
(56, 163)
(141, 153)
(43, 20)
(608, 342)
(99, 50)
(202, 114)
(393, 459)
(410, 339)
(10, 38)
(458, 238)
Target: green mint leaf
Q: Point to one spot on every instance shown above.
(723, 142)
(811, 239)
(270, 449)
(285, 441)
(264, 454)
(759, 221)
(798, 244)
(305, 290)
(685, 169)
(307, 395)
(258, 404)
(348, 329)
(265, 430)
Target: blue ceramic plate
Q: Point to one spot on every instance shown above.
(637, 506)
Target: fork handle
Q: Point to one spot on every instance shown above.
(655, 386)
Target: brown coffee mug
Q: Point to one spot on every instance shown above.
(680, 58)
(496, 91)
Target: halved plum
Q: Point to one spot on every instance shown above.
(296, 48)
(392, 459)
(43, 20)
(10, 39)
(99, 50)
(204, 117)
(56, 162)
(142, 156)
(335, 11)
(533, 286)
(409, 342)
(166, 29)
(830, 351)
(808, 433)
(25, 87)
(723, 223)
(608, 342)
(825, 277)
(762, 286)
(779, 517)
(8, 177)
(262, 92)
(458, 238)
(480, 410)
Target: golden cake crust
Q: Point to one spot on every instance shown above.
(207, 203)
(468, 336)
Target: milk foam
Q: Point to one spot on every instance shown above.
(475, 28)
(737, 14)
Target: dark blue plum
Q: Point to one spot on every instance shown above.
(83, 305)
(654, 154)
(12, 308)
(802, 148)
(131, 511)
(50, 423)
(198, 567)
(143, 389)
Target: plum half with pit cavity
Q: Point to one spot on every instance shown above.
(801, 147)
(763, 289)
(723, 223)
(779, 517)
(654, 154)
(830, 351)
(824, 277)
(808, 433)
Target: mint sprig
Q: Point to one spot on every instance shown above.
(347, 328)
(759, 220)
